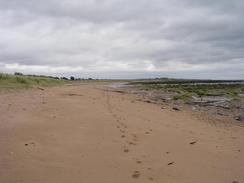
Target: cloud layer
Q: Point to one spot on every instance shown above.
(123, 38)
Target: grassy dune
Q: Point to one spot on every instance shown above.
(12, 82)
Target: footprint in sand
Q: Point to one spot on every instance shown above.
(126, 150)
(32, 143)
(138, 162)
(171, 163)
(136, 174)
(192, 143)
(131, 143)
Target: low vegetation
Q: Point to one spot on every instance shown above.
(216, 97)
(184, 91)
(11, 82)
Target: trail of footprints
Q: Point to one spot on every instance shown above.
(130, 139)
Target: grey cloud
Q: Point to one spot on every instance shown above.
(123, 35)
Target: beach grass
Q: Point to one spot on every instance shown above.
(13, 82)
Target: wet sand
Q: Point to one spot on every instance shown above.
(85, 133)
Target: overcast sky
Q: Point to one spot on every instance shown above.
(123, 38)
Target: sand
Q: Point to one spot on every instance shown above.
(86, 134)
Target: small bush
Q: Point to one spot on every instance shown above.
(72, 78)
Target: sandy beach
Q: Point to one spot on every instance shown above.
(85, 133)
